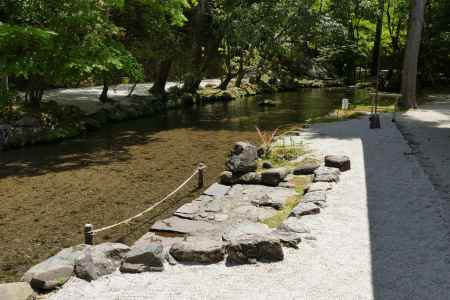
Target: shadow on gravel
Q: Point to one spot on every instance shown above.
(408, 240)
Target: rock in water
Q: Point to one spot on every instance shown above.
(273, 177)
(242, 158)
(202, 251)
(340, 162)
(251, 248)
(100, 260)
(144, 258)
(54, 271)
(307, 169)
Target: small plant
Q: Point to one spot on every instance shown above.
(266, 140)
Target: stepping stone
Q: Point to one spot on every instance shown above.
(318, 187)
(267, 165)
(294, 225)
(249, 249)
(217, 190)
(315, 197)
(227, 178)
(304, 209)
(340, 162)
(307, 169)
(198, 250)
(242, 158)
(250, 178)
(326, 174)
(144, 258)
(273, 177)
(189, 210)
(288, 238)
(214, 206)
(183, 226)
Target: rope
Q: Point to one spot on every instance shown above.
(201, 167)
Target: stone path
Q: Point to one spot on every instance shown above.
(381, 237)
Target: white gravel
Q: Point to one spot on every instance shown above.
(380, 238)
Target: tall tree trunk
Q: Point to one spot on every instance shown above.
(409, 73)
(159, 87)
(377, 43)
(241, 72)
(226, 81)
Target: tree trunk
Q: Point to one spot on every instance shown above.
(377, 43)
(241, 72)
(159, 87)
(409, 73)
(226, 81)
(104, 95)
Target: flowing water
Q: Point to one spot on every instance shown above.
(48, 192)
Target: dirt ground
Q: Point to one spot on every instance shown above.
(45, 201)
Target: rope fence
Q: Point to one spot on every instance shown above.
(89, 231)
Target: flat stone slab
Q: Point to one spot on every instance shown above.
(189, 210)
(242, 230)
(250, 249)
(304, 209)
(307, 169)
(270, 201)
(315, 197)
(183, 226)
(252, 213)
(16, 291)
(273, 177)
(288, 238)
(319, 187)
(144, 258)
(217, 190)
(326, 174)
(294, 225)
(215, 206)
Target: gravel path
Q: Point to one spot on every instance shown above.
(380, 238)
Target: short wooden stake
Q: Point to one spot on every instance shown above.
(201, 175)
(88, 234)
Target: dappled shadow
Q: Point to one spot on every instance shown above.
(408, 239)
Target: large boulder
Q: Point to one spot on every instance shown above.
(242, 158)
(273, 177)
(144, 258)
(340, 162)
(100, 260)
(54, 271)
(202, 251)
(227, 178)
(252, 248)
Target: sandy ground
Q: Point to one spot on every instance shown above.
(87, 98)
(381, 237)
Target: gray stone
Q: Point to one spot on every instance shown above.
(54, 271)
(253, 213)
(189, 210)
(220, 217)
(28, 121)
(304, 209)
(273, 177)
(307, 169)
(100, 260)
(217, 190)
(242, 158)
(315, 197)
(294, 225)
(242, 230)
(318, 187)
(340, 162)
(250, 178)
(214, 206)
(287, 185)
(251, 248)
(145, 258)
(196, 250)
(16, 291)
(179, 225)
(270, 201)
(227, 178)
(288, 238)
(326, 174)
(267, 165)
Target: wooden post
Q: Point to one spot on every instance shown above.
(88, 234)
(201, 175)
